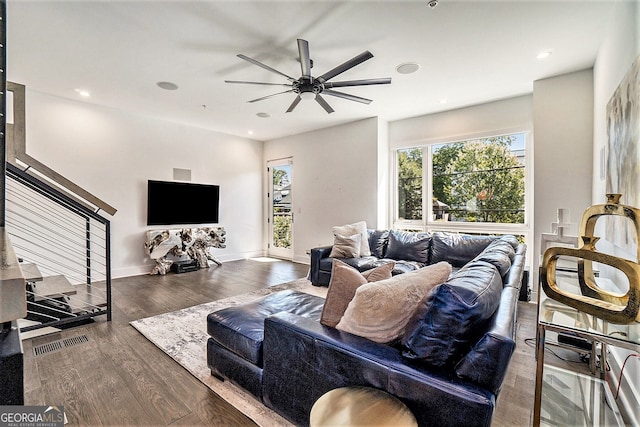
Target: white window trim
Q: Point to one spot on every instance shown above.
(426, 224)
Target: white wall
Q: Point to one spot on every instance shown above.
(513, 114)
(335, 173)
(563, 117)
(112, 154)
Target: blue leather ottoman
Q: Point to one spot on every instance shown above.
(234, 349)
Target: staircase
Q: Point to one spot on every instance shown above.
(64, 251)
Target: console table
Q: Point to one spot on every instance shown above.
(564, 397)
(170, 245)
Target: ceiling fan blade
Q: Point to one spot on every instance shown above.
(305, 59)
(383, 81)
(345, 66)
(320, 100)
(294, 104)
(266, 67)
(269, 96)
(347, 96)
(257, 83)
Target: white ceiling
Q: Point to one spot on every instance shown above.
(470, 52)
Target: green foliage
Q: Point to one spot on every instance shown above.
(410, 183)
(281, 230)
(480, 181)
(280, 177)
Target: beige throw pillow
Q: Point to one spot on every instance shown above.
(381, 310)
(355, 228)
(344, 282)
(346, 246)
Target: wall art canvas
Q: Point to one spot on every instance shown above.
(623, 161)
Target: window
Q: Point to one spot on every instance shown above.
(410, 184)
(477, 185)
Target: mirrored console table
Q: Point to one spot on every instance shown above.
(564, 397)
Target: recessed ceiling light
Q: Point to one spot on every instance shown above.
(443, 101)
(250, 132)
(82, 92)
(167, 85)
(263, 115)
(544, 54)
(408, 68)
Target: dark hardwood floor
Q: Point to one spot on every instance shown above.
(119, 378)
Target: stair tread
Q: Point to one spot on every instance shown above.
(31, 272)
(52, 287)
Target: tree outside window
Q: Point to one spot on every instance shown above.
(480, 180)
(410, 184)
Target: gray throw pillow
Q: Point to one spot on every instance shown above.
(346, 246)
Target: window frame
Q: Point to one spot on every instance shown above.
(427, 223)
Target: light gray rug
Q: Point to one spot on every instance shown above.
(183, 335)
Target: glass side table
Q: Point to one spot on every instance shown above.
(563, 397)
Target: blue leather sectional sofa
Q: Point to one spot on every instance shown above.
(448, 368)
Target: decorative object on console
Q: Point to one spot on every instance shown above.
(594, 300)
(557, 235)
(190, 243)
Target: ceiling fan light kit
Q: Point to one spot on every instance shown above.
(308, 87)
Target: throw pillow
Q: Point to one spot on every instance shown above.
(346, 246)
(342, 287)
(381, 310)
(445, 324)
(409, 246)
(355, 228)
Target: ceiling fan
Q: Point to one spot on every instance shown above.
(309, 87)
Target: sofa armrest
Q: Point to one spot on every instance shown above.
(487, 362)
(317, 254)
(304, 359)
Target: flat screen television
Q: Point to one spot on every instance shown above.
(173, 203)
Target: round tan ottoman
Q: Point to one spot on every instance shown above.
(360, 406)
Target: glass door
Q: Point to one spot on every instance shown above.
(280, 198)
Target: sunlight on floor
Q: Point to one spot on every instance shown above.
(265, 259)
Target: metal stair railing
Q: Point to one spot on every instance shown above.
(64, 246)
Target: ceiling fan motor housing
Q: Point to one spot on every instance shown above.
(306, 84)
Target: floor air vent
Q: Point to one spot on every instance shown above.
(59, 345)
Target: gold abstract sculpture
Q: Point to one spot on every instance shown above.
(614, 308)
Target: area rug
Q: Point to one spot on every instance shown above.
(183, 335)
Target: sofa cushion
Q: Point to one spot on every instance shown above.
(378, 242)
(240, 329)
(447, 322)
(342, 287)
(500, 254)
(403, 266)
(380, 310)
(360, 264)
(457, 249)
(409, 246)
(346, 246)
(355, 228)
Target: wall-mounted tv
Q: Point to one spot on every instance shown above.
(174, 203)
